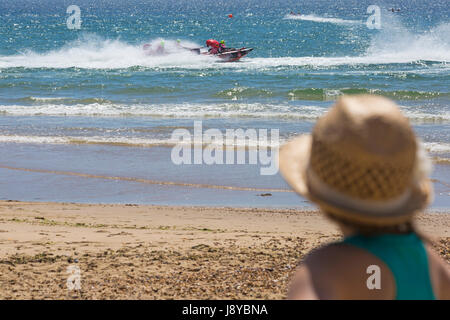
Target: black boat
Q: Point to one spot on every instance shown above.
(230, 55)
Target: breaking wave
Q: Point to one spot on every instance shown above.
(201, 110)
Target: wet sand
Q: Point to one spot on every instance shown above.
(158, 252)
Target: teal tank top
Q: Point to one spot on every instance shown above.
(406, 257)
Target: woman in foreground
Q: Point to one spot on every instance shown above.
(364, 168)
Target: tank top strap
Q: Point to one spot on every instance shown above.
(406, 257)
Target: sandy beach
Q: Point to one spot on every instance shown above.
(141, 162)
(156, 252)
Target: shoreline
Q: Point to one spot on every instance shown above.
(312, 208)
(162, 252)
(102, 174)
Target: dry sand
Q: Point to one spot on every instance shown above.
(154, 252)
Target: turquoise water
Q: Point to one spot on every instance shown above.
(90, 101)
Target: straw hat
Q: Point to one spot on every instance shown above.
(361, 163)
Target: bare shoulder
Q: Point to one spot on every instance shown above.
(439, 273)
(340, 271)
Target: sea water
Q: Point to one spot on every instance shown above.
(87, 116)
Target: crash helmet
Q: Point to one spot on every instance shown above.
(212, 43)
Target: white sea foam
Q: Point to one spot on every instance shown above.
(392, 44)
(92, 52)
(437, 147)
(198, 110)
(47, 99)
(132, 141)
(434, 148)
(426, 117)
(315, 18)
(185, 110)
(82, 140)
(395, 42)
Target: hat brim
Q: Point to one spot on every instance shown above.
(294, 162)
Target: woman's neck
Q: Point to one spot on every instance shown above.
(346, 230)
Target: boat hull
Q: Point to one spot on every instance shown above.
(234, 55)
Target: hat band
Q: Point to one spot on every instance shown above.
(326, 193)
